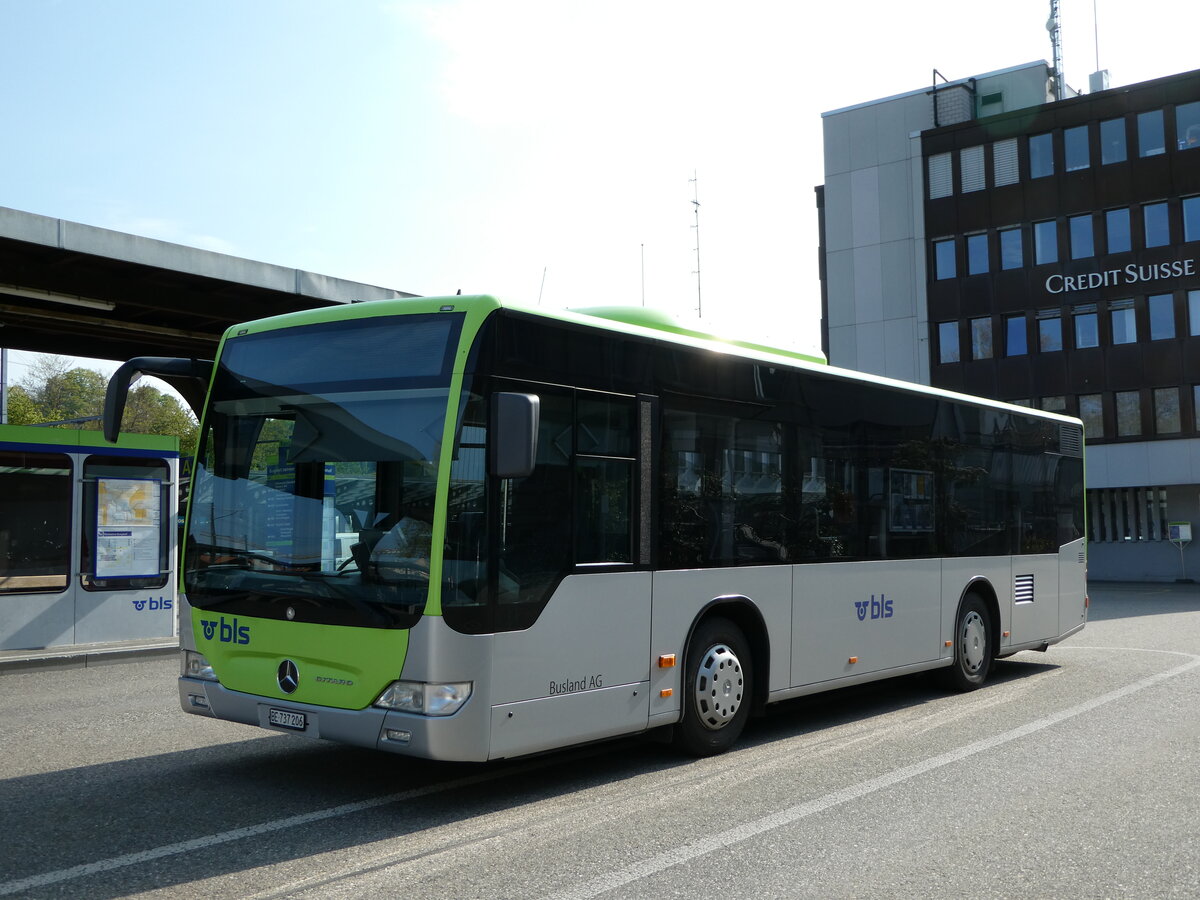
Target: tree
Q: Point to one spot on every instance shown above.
(22, 409)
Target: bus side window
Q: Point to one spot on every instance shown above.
(465, 563)
(604, 466)
(535, 529)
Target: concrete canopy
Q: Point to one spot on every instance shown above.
(77, 290)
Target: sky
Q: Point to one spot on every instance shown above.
(546, 151)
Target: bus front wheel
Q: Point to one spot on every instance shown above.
(716, 691)
(972, 645)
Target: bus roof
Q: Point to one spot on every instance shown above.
(632, 320)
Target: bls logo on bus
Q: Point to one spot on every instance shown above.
(152, 604)
(226, 632)
(879, 609)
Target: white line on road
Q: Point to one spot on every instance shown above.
(670, 858)
(203, 843)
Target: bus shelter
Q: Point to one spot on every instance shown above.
(87, 537)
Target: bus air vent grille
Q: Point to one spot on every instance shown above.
(1023, 589)
(1070, 440)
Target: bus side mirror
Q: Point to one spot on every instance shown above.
(514, 434)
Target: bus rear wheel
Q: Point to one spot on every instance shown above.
(972, 645)
(716, 690)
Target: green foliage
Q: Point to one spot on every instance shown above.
(22, 408)
(54, 392)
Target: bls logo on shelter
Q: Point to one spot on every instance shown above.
(152, 604)
(878, 609)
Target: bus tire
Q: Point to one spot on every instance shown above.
(972, 645)
(716, 690)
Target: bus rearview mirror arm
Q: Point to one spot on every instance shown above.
(515, 420)
(188, 376)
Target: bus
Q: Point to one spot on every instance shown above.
(460, 529)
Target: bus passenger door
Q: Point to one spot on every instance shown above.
(573, 555)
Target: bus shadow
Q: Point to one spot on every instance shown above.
(858, 703)
(242, 806)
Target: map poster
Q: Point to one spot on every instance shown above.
(128, 528)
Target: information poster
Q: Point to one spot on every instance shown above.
(128, 527)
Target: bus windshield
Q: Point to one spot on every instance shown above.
(314, 491)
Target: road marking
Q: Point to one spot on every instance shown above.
(670, 858)
(647, 867)
(237, 834)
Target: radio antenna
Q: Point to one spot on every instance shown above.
(695, 181)
(1054, 26)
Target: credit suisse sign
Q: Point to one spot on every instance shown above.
(1130, 274)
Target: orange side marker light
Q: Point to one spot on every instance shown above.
(666, 661)
(666, 692)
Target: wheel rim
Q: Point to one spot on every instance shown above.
(974, 642)
(718, 687)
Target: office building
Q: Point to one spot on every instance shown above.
(982, 236)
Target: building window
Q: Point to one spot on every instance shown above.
(1196, 406)
(35, 523)
(977, 254)
(1082, 245)
(1150, 133)
(948, 342)
(1012, 254)
(1015, 343)
(1041, 155)
(1158, 229)
(1129, 413)
(1054, 404)
(941, 181)
(1112, 141)
(1187, 125)
(1128, 514)
(1087, 329)
(1116, 224)
(1124, 323)
(970, 163)
(1075, 148)
(981, 338)
(1004, 162)
(1166, 411)
(1194, 313)
(1191, 218)
(1050, 331)
(943, 259)
(1091, 410)
(1162, 317)
(1045, 242)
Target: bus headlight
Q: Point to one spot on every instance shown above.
(194, 665)
(425, 699)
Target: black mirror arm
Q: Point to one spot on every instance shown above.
(188, 376)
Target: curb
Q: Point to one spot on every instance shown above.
(82, 656)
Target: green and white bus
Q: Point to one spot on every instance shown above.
(461, 529)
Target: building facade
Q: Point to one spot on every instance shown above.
(979, 236)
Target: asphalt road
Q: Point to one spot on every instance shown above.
(1074, 773)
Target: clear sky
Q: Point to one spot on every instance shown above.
(541, 150)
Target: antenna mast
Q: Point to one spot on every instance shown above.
(696, 209)
(1054, 26)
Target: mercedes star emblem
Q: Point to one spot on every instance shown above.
(289, 676)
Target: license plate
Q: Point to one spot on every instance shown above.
(285, 718)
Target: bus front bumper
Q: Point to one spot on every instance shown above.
(460, 737)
